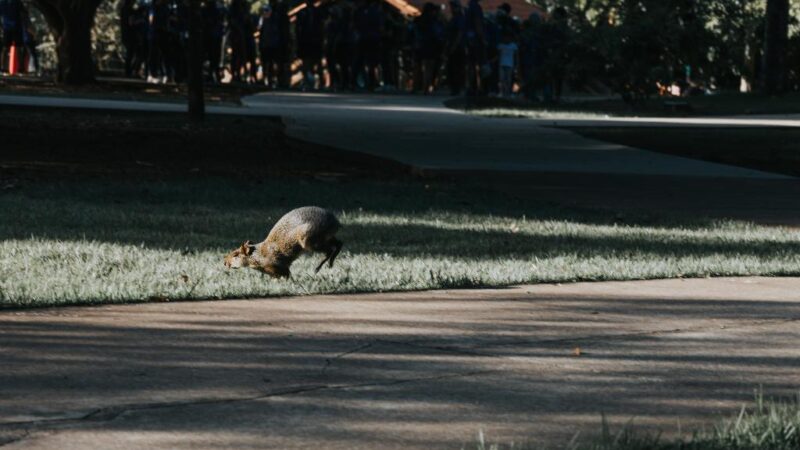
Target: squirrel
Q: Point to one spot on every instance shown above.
(301, 230)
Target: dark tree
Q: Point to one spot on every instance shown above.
(195, 76)
(71, 22)
(776, 40)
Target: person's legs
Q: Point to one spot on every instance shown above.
(153, 59)
(455, 72)
(284, 73)
(319, 70)
(30, 47)
(558, 84)
(178, 55)
(372, 59)
(238, 56)
(333, 70)
(130, 52)
(308, 68)
(264, 57)
(348, 61)
(492, 80)
(505, 81)
(252, 60)
(473, 70)
(436, 69)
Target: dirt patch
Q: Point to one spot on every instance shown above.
(66, 142)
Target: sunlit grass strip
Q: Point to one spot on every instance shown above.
(115, 242)
(536, 114)
(42, 271)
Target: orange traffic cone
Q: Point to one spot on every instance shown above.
(12, 61)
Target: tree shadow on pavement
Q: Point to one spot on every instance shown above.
(308, 371)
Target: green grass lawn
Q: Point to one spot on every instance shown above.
(724, 104)
(80, 242)
(767, 425)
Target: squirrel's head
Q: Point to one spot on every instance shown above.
(240, 256)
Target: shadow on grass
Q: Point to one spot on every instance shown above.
(379, 218)
(771, 149)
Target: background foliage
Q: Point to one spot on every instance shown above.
(626, 45)
(106, 41)
(629, 45)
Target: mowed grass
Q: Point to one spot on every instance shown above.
(768, 425)
(104, 241)
(512, 113)
(722, 104)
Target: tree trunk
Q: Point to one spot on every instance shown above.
(71, 24)
(74, 49)
(775, 46)
(197, 108)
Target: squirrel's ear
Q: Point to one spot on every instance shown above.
(247, 247)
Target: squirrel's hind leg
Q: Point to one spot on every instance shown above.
(330, 254)
(337, 247)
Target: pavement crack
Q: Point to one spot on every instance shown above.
(414, 380)
(331, 360)
(441, 348)
(108, 414)
(24, 434)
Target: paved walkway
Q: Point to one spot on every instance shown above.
(395, 371)
(420, 131)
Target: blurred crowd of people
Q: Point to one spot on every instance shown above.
(356, 45)
(17, 39)
(351, 45)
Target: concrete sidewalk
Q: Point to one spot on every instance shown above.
(396, 371)
(421, 131)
